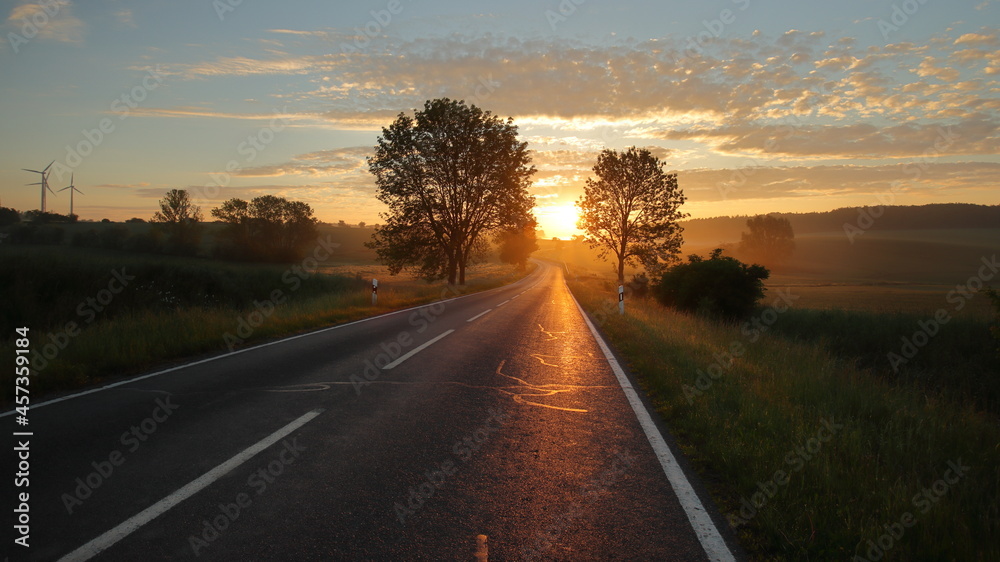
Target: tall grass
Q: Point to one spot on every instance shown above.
(764, 412)
(957, 361)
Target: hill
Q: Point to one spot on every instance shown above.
(717, 230)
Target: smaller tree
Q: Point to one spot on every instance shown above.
(180, 218)
(720, 286)
(176, 207)
(631, 210)
(770, 241)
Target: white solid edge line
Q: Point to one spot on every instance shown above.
(480, 315)
(108, 539)
(713, 543)
(416, 350)
(238, 351)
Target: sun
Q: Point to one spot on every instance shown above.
(558, 220)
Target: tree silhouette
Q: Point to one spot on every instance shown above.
(451, 175)
(770, 241)
(518, 243)
(179, 217)
(631, 210)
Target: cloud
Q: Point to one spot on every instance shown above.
(278, 118)
(523, 77)
(51, 21)
(245, 66)
(338, 162)
(859, 140)
(140, 185)
(661, 80)
(125, 17)
(931, 66)
(979, 39)
(799, 96)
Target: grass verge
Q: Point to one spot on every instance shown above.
(99, 315)
(807, 453)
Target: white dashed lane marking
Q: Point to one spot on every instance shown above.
(480, 315)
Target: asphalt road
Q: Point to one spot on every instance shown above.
(506, 437)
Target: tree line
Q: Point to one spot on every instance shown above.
(266, 228)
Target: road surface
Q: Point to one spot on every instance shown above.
(486, 427)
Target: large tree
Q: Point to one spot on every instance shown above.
(631, 210)
(180, 217)
(452, 174)
(267, 227)
(770, 240)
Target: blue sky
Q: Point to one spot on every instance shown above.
(758, 105)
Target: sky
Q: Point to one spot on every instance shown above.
(758, 105)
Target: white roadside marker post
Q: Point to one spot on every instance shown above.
(621, 299)
(374, 291)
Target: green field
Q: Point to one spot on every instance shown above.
(351, 239)
(98, 315)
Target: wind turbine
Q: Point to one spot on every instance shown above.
(45, 181)
(71, 189)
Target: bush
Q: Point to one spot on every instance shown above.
(720, 286)
(639, 285)
(115, 237)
